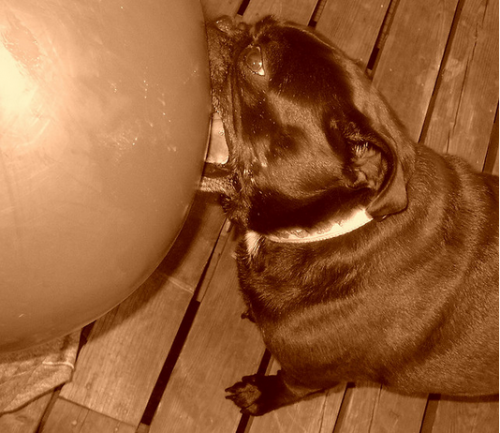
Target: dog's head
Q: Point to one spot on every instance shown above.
(308, 135)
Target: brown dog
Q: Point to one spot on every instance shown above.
(365, 256)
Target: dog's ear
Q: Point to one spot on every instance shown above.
(391, 197)
(397, 150)
(375, 165)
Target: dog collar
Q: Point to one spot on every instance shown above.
(323, 231)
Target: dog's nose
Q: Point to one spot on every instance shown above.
(227, 24)
(224, 23)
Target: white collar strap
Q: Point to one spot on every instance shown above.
(326, 230)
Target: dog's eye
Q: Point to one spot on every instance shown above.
(253, 60)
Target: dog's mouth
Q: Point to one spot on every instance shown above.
(223, 37)
(218, 150)
(218, 155)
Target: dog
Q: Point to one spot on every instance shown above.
(364, 256)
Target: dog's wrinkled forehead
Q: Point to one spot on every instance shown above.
(283, 57)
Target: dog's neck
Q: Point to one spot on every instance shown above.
(325, 230)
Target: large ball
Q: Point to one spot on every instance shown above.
(104, 113)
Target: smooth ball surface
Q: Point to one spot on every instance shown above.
(104, 114)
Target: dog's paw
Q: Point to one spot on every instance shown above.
(252, 394)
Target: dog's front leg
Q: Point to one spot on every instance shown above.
(258, 394)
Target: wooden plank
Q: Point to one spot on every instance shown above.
(119, 366)
(213, 9)
(357, 410)
(448, 416)
(465, 106)
(409, 63)
(316, 415)
(191, 251)
(71, 418)
(26, 419)
(224, 237)
(354, 25)
(219, 350)
(300, 11)
(491, 163)
(396, 413)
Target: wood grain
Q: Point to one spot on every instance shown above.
(119, 366)
(466, 102)
(219, 350)
(491, 163)
(67, 417)
(396, 413)
(315, 415)
(224, 237)
(353, 25)
(410, 60)
(191, 251)
(213, 9)
(448, 416)
(299, 12)
(357, 410)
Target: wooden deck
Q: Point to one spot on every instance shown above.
(160, 361)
